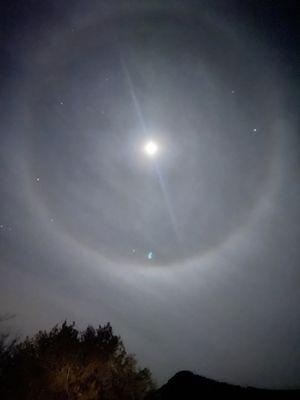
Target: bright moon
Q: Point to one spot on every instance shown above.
(150, 148)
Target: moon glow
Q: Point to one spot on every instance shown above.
(151, 148)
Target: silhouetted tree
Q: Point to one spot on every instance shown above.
(7, 345)
(67, 364)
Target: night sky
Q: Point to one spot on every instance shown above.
(189, 245)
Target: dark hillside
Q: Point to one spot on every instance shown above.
(187, 386)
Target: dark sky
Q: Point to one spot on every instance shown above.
(193, 254)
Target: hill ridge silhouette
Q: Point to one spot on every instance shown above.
(189, 386)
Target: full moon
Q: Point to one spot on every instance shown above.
(150, 148)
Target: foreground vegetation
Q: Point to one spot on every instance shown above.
(66, 364)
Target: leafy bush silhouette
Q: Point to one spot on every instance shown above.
(67, 364)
